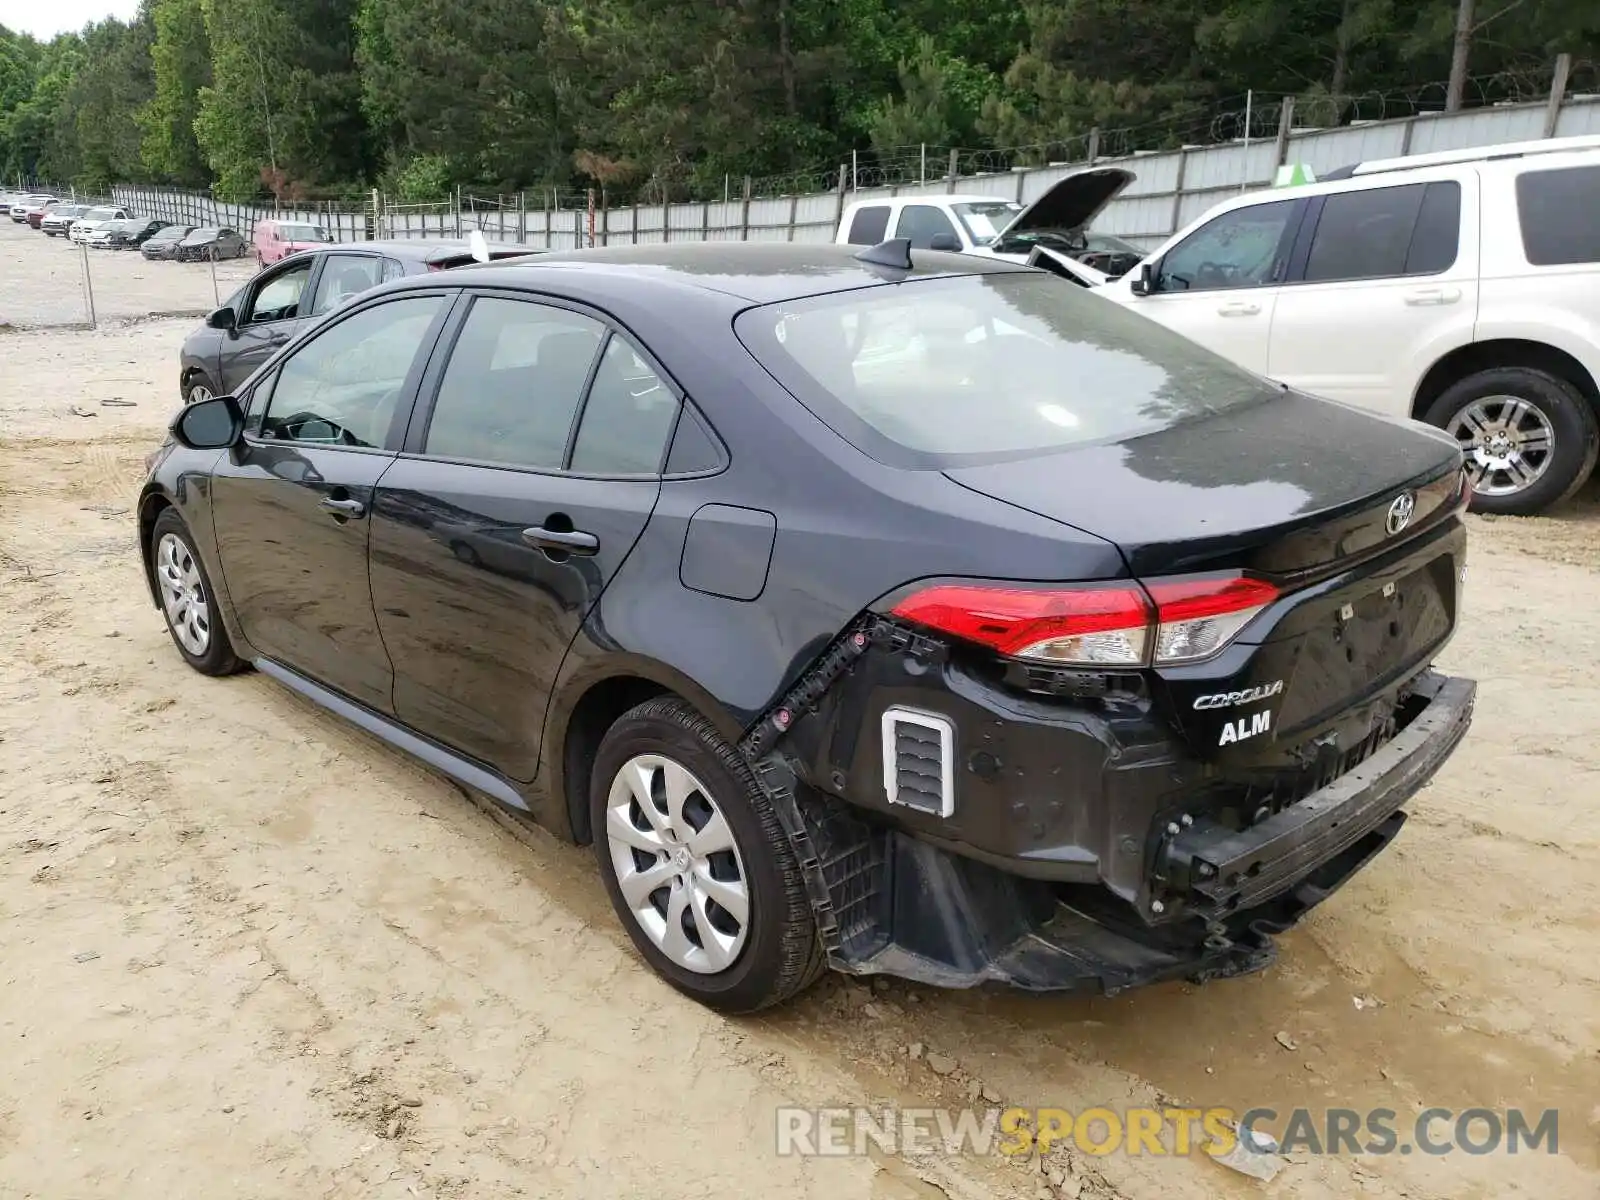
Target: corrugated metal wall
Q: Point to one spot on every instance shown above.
(1172, 189)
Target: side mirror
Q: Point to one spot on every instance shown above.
(222, 318)
(945, 241)
(209, 424)
(1146, 283)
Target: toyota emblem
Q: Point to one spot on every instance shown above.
(1400, 513)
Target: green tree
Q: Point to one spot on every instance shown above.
(180, 58)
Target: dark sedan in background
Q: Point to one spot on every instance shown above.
(274, 306)
(134, 233)
(211, 243)
(163, 243)
(918, 616)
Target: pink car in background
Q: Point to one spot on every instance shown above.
(277, 239)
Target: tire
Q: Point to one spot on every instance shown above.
(196, 382)
(778, 954)
(1501, 416)
(194, 622)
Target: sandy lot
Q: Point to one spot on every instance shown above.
(43, 282)
(247, 951)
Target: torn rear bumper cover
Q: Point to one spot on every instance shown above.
(888, 903)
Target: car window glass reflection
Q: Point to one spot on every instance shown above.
(343, 387)
(279, 297)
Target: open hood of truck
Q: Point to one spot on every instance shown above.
(1074, 202)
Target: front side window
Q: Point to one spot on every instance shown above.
(278, 299)
(869, 225)
(342, 388)
(1241, 248)
(627, 418)
(513, 383)
(953, 371)
(1558, 214)
(344, 276)
(922, 223)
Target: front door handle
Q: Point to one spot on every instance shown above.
(343, 507)
(1238, 308)
(1433, 295)
(278, 339)
(572, 541)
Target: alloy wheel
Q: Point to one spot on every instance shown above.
(1508, 444)
(677, 864)
(198, 392)
(183, 595)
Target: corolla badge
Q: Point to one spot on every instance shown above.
(1400, 513)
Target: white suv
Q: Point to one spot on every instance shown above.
(1461, 288)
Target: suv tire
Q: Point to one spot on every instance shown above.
(187, 602)
(670, 752)
(1549, 407)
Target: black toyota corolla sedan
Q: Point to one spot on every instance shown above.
(907, 614)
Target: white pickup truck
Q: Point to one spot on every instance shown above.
(997, 228)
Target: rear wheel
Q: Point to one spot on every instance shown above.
(187, 602)
(697, 864)
(1530, 438)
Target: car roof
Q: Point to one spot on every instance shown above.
(758, 272)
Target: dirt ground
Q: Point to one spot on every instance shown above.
(43, 282)
(248, 951)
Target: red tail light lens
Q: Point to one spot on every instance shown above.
(1159, 621)
(1107, 625)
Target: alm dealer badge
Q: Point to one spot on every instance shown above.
(1240, 728)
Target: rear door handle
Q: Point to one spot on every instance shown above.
(1238, 308)
(1433, 295)
(573, 541)
(345, 507)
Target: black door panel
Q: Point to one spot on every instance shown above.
(481, 578)
(292, 536)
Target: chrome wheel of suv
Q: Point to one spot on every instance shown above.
(677, 864)
(1507, 442)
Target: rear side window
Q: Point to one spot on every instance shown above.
(920, 223)
(627, 418)
(1560, 215)
(1381, 233)
(511, 388)
(343, 277)
(869, 225)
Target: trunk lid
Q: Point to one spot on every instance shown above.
(1282, 486)
(1354, 517)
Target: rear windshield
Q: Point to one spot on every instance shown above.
(303, 233)
(948, 372)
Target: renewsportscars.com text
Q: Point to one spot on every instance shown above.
(840, 1132)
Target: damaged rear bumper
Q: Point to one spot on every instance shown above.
(889, 902)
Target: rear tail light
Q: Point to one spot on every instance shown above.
(1161, 622)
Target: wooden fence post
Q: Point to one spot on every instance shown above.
(950, 175)
(1558, 93)
(1280, 153)
(744, 212)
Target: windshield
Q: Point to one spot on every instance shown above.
(202, 235)
(304, 233)
(984, 219)
(947, 372)
(100, 214)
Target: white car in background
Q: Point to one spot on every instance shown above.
(993, 227)
(1459, 288)
(94, 227)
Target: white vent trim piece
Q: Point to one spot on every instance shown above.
(893, 717)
